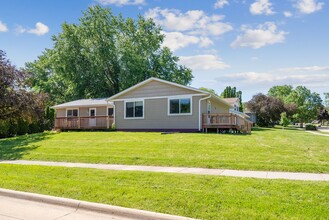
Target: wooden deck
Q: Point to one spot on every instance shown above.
(228, 121)
(75, 123)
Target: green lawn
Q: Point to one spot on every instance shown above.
(265, 149)
(205, 197)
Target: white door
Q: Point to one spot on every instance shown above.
(92, 119)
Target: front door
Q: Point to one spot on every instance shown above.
(92, 119)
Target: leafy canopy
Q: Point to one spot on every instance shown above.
(102, 55)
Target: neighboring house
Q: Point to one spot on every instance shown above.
(252, 115)
(234, 102)
(159, 105)
(235, 107)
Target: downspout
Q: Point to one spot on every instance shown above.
(208, 97)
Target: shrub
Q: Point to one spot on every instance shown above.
(310, 127)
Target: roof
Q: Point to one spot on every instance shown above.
(217, 98)
(231, 100)
(159, 80)
(84, 103)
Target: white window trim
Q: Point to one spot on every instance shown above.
(72, 112)
(92, 109)
(133, 100)
(180, 97)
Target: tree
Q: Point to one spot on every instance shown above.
(19, 107)
(231, 92)
(102, 55)
(281, 92)
(326, 99)
(268, 109)
(211, 91)
(284, 121)
(323, 115)
(307, 104)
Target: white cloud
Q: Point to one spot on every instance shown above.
(265, 34)
(40, 29)
(287, 14)
(221, 3)
(121, 2)
(177, 40)
(203, 62)
(194, 22)
(261, 7)
(205, 42)
(308, 6)
(3, 27)
(305, 69)
(312, 77)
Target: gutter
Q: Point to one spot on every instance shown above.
(208, 97)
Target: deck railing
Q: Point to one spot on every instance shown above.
(226, 121)
(86, 122)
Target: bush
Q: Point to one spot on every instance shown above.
(22, 127)
(310, 127)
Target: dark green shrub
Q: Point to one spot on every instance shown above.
(4, 128)
(22, 127)
(310, 127)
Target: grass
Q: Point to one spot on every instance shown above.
(266, 149)
(205, 197)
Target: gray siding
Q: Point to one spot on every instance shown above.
(156, 116)
(216, 107)
(60, 113)
(83, 111)
(154, 89)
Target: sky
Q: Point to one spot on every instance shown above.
(250, 44)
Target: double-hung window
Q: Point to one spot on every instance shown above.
(180, 106)
(72, 113)
(134, 109)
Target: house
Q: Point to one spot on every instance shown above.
(234, 102)
(152, 105)
(252, 115)
(235, 107)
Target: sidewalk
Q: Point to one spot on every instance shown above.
(318, 133)
(31, 206)
(183, 170)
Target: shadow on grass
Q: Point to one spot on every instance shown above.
(15, 148)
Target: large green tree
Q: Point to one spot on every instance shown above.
(102, 55)
(21, 110)
(281, 92)
(307, 102)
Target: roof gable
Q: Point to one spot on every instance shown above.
(154, 87)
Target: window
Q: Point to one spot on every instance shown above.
(92, 112)
(72, 112)
(134, 109)
(110, 112)
(180, 106)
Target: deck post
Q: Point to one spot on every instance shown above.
(108, 122)
(79, 125)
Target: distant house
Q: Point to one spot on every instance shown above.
(252, 115)
(152, 105)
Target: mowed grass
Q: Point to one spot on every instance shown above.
(264, 149)
(203, 197)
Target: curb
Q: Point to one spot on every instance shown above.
(90, 206)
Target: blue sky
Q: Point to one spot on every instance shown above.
(250, 44)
